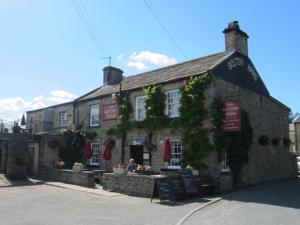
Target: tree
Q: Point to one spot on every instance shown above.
(293, 116)
(72, 149)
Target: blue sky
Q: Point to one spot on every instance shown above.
(47, 55)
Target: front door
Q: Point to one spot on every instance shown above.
(136, 153)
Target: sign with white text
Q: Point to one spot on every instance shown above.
(232, 116)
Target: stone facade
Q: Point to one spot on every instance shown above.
(48, 119)
(297, 136)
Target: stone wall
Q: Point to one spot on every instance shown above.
(15, 158)
(267, 117)
(82, 178)
(138, 185)
(297, 138)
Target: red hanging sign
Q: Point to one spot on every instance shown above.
(232, 116)
(110, 112)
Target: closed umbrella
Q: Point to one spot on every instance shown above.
(167, 150)
(107, 152)
(88, 150)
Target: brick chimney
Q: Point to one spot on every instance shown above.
(112, 75)
(235, 39)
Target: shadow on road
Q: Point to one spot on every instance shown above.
(280, 193)
(5, 182)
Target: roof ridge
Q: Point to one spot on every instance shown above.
(177, 64)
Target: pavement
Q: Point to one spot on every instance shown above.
(45, 203)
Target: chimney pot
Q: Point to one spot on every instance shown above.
(235, 38)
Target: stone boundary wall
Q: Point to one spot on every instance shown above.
(82, 178)
(137, 185)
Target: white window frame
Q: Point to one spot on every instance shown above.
(224, 165)
(172, 105)
(95, 159)
(94, 112)
(140, 112)
(176, 154)
(63, 119)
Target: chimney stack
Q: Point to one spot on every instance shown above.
(112, 75)
(235, 39)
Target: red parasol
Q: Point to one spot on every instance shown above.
(167, 150)
(107, 152)
(88, 150)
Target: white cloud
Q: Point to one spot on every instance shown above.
(146, 59)
(13, 108)
(61, 96)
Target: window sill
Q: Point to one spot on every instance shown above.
(98, 126)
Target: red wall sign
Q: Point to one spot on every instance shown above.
(232, 116)
(110, 112)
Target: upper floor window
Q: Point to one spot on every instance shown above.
(140, 110)
(94, 115)
(172, 103)
(63, 119)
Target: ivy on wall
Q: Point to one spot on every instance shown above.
(196, 145)
(125, 109)
(236, 144)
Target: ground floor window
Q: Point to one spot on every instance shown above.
(176, 154)
(224, 164)
(95, 159)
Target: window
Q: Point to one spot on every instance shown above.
(176, 156)
(94, 115)
(224, 165)
(95, 159)
(140, 111)
(173, 103)
(63, 119)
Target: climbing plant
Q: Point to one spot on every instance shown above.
(236, 144)
(196, 145)
(73, 144)
(125, 110)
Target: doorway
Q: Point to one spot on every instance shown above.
(33, 150)
(136, 153)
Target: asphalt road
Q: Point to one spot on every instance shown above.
(48, 205)
(272, 204)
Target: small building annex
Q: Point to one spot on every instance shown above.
(234, 78)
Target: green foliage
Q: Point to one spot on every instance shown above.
(155, 108)
(236, 144)
(72, 149)
(125, 110)
(196, 145)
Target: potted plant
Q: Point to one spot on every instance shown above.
(120, 169)
(78, 166)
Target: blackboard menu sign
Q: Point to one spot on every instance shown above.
(177, 187)
(162, 186)
(188, 183)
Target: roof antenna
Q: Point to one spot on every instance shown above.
(109, 59)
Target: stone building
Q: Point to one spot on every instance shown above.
(234, 78)
(296, 135)
(50, 118)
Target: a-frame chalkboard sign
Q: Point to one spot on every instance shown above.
(162, 187)
(187, 179)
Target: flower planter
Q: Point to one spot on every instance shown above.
(119, 170)
(77, 168)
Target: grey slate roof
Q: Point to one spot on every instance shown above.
(162, 75)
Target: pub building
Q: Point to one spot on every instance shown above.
(235, 81)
